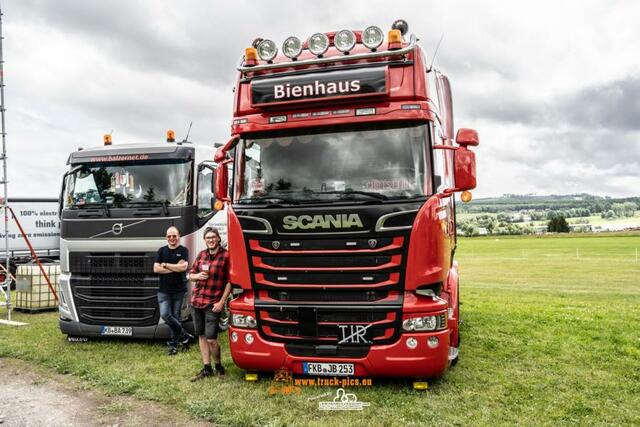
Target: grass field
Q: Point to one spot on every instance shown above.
(551, 336)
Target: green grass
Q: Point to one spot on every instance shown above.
(551, 336)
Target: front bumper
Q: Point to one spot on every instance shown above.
(77, 329)
(393, 360)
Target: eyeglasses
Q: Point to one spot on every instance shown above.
(172, 236)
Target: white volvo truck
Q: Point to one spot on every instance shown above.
(116, 204)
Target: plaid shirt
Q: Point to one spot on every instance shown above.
(207, 292)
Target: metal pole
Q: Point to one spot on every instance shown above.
(4, 173)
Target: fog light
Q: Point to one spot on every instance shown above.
(249, 339)
(234, 337)
(344, 40)
(318, 44)
(372, 37)
(292, 47)
(433, 342)
(267, 50)
(412, 343)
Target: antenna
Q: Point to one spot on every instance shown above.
(186, 138)
(433, 59)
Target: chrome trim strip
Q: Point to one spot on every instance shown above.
(113, 218)
(323, 234)
(380, 223)
(412, 43)
(266, 223)
(121, 229)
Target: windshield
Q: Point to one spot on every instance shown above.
(376, 162)
(129, 184)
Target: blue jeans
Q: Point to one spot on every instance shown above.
(170, 308)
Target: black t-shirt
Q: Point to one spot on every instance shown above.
(173, 282)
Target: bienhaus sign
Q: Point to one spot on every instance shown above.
(333, 84)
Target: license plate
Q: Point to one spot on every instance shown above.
(126, 331)
(333, 369)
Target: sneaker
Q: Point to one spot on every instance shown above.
(172, 351)
(220, 370)
(185, 338)
(204, 373)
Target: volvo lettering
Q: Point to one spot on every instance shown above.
(341, 209)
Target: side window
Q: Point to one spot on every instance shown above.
(442, 162)
(206, 182)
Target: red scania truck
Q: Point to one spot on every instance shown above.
(341, 219)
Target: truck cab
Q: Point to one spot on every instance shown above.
(341, 211)
(116, 204)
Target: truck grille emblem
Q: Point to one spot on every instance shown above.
(117, 228)
(372, 243)
(275, 244)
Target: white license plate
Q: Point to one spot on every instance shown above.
(126, 331)
(333, 369)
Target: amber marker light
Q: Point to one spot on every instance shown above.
(218, 205)
(466, 196)
(171, 136)
(395, 39)
(250, 57)
(107, 139)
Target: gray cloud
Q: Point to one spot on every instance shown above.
(554, 96)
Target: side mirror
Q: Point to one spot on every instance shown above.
(222, 182)
(465, 159)
(466, 137)
(464, 169)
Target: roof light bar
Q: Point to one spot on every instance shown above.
(382, 53)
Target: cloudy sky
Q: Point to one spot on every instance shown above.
(552, 87)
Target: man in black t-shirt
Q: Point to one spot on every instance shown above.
(171, 263)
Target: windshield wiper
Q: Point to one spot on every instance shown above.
(103, 205)
(360, 193)
(164, 204)
(269, 200)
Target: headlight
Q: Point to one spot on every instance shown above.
(318, 44)
(425, 323)
(243, 321)
(292, 47)
(267, 50)
(344, 40)
(372, 37)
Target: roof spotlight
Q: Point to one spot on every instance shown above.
(292, 47)
(267, 50)
(344, 40)
(372, 37)
(318, 44)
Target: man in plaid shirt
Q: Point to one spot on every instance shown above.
(210, 272)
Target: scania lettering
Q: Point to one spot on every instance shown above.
(341, 210)
(116, 204)
(306, 222)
